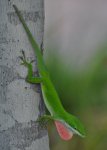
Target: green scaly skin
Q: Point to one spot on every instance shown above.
(50, 95)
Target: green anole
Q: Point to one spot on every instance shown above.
(66, 124)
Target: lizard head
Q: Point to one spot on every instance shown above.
(67, 125)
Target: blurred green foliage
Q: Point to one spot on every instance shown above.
(83, 92)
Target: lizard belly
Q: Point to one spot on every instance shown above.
(51, 98)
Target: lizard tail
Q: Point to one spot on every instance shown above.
(34, 44)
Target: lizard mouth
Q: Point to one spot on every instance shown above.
(63, 131)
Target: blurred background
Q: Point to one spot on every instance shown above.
(76, 56)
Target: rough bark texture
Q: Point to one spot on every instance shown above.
(20, 102)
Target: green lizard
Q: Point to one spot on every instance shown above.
(66, 124)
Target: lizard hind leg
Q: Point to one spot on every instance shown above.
(30, 77)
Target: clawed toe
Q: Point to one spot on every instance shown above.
(42, 122)
(24, 60)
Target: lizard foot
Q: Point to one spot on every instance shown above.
(43, 120)
(24, 60)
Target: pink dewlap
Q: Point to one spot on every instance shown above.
(63, 131)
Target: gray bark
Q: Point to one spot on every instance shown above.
(20, 102)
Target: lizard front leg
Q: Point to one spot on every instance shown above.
(30, 78)
(43, 120)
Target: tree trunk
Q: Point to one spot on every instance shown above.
(20, 102)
